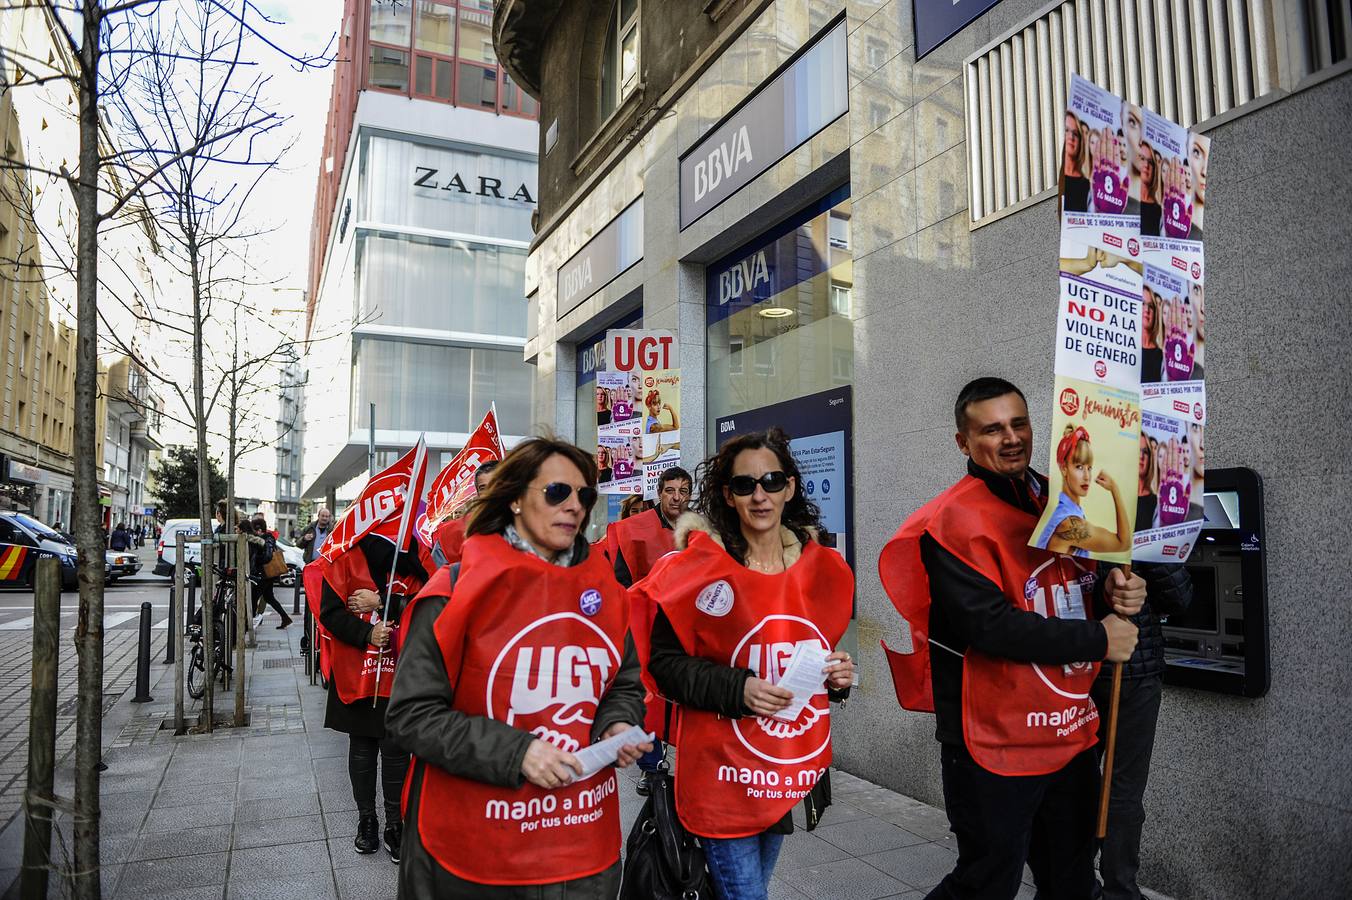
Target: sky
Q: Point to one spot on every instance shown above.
(284, 202)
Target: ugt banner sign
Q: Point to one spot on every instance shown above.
(629, 350)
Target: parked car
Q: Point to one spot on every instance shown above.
(166, 549)
(295, 561)
(23, 541)
(121, 564)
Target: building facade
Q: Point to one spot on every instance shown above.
(422, 222)
(132, 417)
(853, 202)
(290, 447)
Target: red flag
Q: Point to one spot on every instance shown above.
(454, 485)
(379, 508)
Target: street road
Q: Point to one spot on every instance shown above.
(122, 612)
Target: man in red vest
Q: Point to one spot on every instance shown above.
(640, 541)
(1016, 644)
(450, 538)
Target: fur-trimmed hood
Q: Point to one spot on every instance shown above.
(691, 522)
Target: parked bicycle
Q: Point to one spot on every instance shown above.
(224, 623)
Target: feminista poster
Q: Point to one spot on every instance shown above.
(661, 400)
(1095, 432)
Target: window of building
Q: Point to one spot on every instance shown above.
(783, 298)
(442, 50)
(620, 62)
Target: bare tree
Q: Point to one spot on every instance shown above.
(100, 47)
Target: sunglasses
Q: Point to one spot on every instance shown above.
(745, 485)
(557, 491)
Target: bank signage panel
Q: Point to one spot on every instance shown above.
(938, 20)
(602, 259)
(821, 432)
(783, 114)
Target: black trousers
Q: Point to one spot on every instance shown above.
(265, 596)
(1137, 712)
(362, 754)
(1002, 821)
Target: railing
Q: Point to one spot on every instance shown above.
(1190, 60)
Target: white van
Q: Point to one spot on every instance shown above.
(167, 547)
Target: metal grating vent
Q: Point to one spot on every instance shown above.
(1189, 60)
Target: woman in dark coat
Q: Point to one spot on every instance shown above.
(349, 611)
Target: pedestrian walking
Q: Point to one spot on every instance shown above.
(260, 556)
(121, 538)
(316, 533)
(350, 605)
(1017, 643)
(495, 693)
(750, 581)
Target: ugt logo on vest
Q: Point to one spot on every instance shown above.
(766, 650)
(550, 677)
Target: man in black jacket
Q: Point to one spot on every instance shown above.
(1002, 820)
(1169, 591)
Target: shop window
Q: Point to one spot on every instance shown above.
(620, 59)
(785, 297)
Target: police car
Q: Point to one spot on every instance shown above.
(23, 541)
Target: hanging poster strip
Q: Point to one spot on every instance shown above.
(638, 402)
(1131, 335)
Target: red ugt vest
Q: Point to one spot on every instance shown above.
(536, 646)
(643, 541)
(737, 777)
(353, 669)
(451, 537)
(1018, 718)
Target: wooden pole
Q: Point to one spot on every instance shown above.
(1110, 743)
(208, 721)
(178, 621)
(38, 799)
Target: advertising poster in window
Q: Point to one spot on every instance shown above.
(820, 429)
(1130, 337)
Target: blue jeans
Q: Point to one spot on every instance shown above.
(740, 868)
(648, 762)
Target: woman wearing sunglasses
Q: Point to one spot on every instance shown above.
(749, 590)
(497, 690)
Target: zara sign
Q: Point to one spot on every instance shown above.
(431, 179)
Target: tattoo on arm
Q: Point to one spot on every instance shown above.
(1073, 530)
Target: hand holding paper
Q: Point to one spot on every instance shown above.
(607, 751)
(804, 678)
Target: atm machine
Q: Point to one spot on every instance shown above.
(1221, 643)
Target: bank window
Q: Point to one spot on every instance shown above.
(785, 297)
(620, 60)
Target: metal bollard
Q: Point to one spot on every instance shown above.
(295, 600)
(143, 658)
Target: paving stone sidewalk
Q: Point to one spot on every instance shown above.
(267, 811)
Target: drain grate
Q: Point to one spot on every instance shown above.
(279, 663)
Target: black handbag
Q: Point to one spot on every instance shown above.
(662, 860)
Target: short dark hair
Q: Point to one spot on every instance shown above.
(979, 390)
(675, 473)
(486, 467)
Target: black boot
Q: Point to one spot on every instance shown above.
(394, 837)
(368, 834)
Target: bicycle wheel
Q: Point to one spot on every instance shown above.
(197, 674)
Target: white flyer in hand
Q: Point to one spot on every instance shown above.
(803, 676)
(603, 753)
